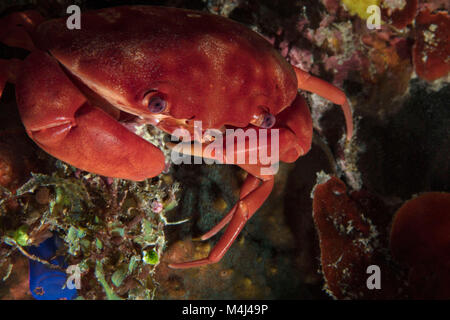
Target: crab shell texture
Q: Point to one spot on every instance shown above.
(209, 68)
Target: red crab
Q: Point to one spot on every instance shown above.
(168, 67)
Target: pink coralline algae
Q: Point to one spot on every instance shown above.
(157, 206)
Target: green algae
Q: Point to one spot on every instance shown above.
(106, 227)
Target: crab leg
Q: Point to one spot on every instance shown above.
(222, 223)
(59, 118)
(295, 135)
(16, 29)
(9, 69)
(250, 184)
(326, 90)
(3, 76)
(244, 210)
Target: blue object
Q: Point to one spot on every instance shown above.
(47, 283)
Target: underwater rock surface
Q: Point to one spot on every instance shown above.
(316, 235)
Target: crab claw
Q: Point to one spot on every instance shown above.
(59, 118)
(296, 130)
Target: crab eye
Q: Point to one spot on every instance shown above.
(268, 121)
(156, 104)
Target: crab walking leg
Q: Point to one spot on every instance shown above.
(15, 32)
(246, 207)
(225, 220)
(326, 90)
(250, 184)
(295, 135)
(16, 29)
(9, 70)
(3, 79)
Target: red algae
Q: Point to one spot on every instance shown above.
(399, 13)
(420, 239)
(350, 242)
(431, 50)
(420, 230)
